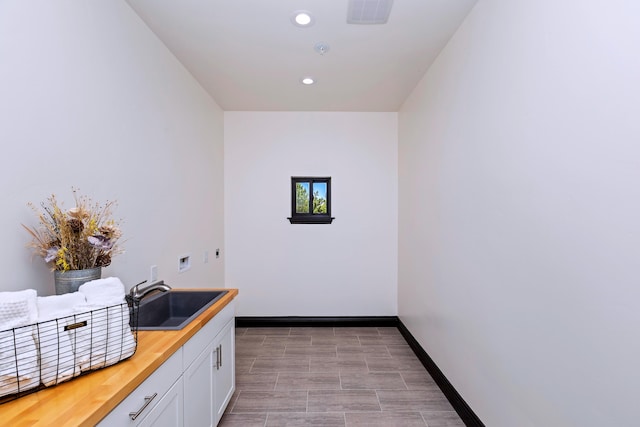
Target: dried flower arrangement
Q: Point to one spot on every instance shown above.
(82, 237)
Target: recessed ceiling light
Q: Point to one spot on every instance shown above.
(307, 81)
(302, 18)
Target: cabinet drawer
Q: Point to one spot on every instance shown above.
(204, 336)
(158, 383)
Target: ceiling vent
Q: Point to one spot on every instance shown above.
(369, 11)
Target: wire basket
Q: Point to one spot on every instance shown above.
(48, 353)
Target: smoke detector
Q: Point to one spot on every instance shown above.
(321, 48)
(369, 11)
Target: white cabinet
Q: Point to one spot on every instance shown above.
(209, 375)
(198, 394)
(225, 374)
(192, 388)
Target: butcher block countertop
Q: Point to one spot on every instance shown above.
(85, 400)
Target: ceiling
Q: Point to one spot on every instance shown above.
(250, 56)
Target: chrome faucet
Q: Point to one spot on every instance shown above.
(138, 293)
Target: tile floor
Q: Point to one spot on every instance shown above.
(332, 377)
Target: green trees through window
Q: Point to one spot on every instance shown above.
(320, 198)
(302, 197)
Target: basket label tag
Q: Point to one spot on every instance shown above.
(75, 326)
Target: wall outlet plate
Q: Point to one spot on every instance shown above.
(184, 263)
(153, 274)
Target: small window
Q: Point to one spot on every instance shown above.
(310, 200)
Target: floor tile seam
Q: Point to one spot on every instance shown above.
(423, 419)
(252, 363)
(378, 398)
(448, 412)
(392, 370)
(235, 402)
(266, 420)
(375, 389)
(367, 365)
(279, 328)
(393, 413)
(386, 347)
(306, 355)
(378, 388)
(300, 412)
(404, 381)
(311, 389)
(350, 412)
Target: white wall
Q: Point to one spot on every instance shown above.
(91, 98)
(519, 212)
(348, 268)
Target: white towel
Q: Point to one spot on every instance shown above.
(19, 370)
(106, 340)
(55, 306)
(104, 292)
(57, 359)
(12, 309)
(111, 339)
(120, 342)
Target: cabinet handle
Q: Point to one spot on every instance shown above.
(217, 358)
(147, 400)
(220, 355)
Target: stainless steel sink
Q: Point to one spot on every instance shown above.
(173, 310)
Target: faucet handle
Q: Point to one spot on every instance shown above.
(134, 291)
(138, 293)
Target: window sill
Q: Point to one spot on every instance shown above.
(311, 220)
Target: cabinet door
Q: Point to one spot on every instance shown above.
(199, 391)
(169, 410)
(225, 373)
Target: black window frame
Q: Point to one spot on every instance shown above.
(310, 218)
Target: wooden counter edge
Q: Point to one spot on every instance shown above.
(86, 400)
